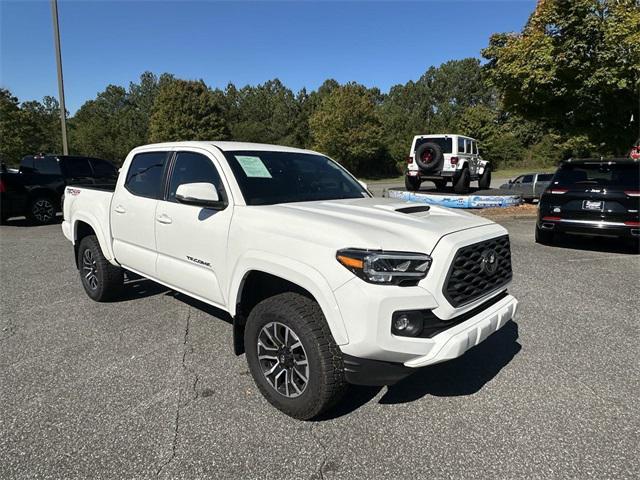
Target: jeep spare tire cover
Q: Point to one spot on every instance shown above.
(429, 157)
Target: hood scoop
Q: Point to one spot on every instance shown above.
(416, 209)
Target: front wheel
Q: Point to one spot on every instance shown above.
(101, 280)
(484, 181)
(293, 357)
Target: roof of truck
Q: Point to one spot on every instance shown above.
(228, 146)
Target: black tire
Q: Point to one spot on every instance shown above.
(107, 280)
(544, 237)
(302, 316)
(484, 182)
(440, 184)
(412, 183)
(429, 157)
(42, 210)
(461, 185)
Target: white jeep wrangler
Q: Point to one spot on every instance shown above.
(441, 158)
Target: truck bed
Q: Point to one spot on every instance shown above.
(92, 205)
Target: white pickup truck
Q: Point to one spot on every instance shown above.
(326, 285)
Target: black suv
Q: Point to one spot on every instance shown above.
(592, 197)
(35, 190)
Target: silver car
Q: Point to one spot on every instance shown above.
(529, 185)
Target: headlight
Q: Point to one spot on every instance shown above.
(387, 268)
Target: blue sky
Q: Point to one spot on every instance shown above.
(302, 43)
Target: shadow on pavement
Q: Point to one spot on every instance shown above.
(463, 376)
(596, 244)
(136, 287)
(204, 307)
(24, 222)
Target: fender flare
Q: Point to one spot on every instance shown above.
(103, 240)
(294, 271)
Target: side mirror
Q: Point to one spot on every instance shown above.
(510, 181)
(200, 194)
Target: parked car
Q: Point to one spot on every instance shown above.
(592, 197)
(444, 158)
(326, 285)
(529, 185)
(36, 189)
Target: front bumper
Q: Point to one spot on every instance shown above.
(450, 344)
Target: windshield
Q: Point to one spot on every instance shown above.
(266, 178)
(599, 174)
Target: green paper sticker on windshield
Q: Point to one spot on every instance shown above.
(253, 166)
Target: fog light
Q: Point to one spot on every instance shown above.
(407, 324)
(401, 323)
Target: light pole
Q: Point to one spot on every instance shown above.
(63, 110)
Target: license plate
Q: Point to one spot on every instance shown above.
(592, 205)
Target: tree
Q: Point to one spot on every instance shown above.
(266, 113)
(30, 127)
(575, 67)
(188, 110)
(11, 142)
(346, 126)
(103, 127)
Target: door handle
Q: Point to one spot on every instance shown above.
(119, 209)
(164, 218)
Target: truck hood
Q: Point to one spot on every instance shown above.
(373, 223)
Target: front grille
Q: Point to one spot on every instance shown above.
(470, 277)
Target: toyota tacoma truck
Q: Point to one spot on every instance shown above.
(444, 158)
(326, 285)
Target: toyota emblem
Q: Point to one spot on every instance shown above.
(489, 262)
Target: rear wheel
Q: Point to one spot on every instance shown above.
(544, 237)
(412, 183)
(101, 280)
(293, 357)
(42, 210)
(461, 185)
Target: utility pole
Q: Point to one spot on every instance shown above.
(63, 110)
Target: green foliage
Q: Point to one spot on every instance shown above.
(188, 110)
(575, 68)
(346, 126)
(267, 113)
(30, 127)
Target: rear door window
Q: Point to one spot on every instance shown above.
(461, 145)
(545, 177)
(47, 166)
(145, 174)
(77, 167)
(102, 168)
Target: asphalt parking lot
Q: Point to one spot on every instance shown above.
(148, 386)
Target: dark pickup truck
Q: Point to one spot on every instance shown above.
(35, 190)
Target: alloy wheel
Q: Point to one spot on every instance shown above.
(43, 210)
(283, 359)
(90, 269)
